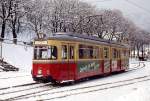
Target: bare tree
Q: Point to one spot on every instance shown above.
(50, 16)
(5, 13)
(36, 16)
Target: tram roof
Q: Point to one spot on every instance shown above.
(83, 38)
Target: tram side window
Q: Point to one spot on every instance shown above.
(114, 53)
(106, 53)
(52, 52)
(85, 52)
(88, 52)
(81, 52)
(96, 53)
(71, 52)
(118, 54)
(64, 52)
(126, 53)
(123, 54)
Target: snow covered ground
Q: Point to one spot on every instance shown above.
(17, 55)
(21, 57)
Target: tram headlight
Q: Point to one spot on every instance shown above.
(48, 72)
(39, 71)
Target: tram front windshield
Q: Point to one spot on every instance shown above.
(45, 52)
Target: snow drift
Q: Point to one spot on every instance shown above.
(18, 55)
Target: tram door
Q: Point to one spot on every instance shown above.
(106, 53)
(68, 56)
(71, 61)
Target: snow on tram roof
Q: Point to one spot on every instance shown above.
(76, 35)
(83, 38)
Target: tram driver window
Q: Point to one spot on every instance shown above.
(64, 52)
(44, 52)
(40, 52)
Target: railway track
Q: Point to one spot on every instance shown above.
(53, 91)
(24, 90)
(22, 85)
(80, 90)
(14, 77)
(27, 87)
(89, 89)
(22, 96)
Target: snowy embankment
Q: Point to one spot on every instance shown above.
(17, 55)
(21, 57)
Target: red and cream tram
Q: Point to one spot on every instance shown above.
(66, 57)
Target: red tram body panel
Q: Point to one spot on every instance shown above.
(57, 71)
(61, 59)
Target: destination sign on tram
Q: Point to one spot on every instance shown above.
(40, 42)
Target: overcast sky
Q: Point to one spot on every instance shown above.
(136, 10)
